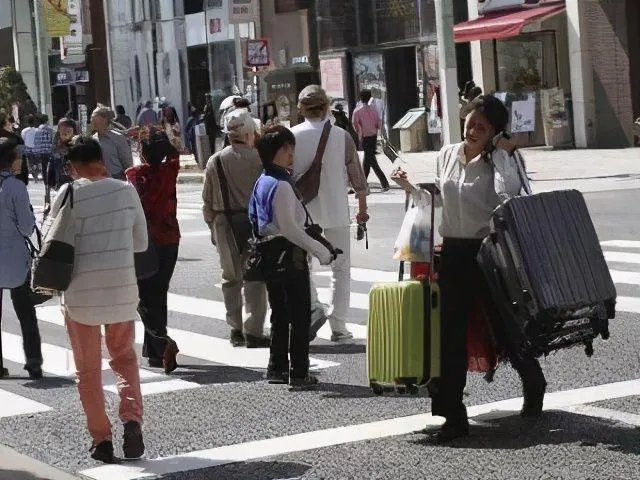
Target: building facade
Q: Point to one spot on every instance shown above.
(568, 70)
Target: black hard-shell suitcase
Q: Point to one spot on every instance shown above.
(547, 274)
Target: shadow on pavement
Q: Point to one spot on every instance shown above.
(19, 475)
(554, 428)
(258, 470)
(49, 383)
(216, 374)
(621, 176)
(344, 349)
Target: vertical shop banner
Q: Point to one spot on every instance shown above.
(332, 76)
(56, 17)
(243, 11)
(72, 43)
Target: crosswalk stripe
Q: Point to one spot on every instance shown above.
(627, 278)
(621, 243)
(196, 345)
(622, 257)
(12, 404)
(307, 441)
(628, 304)
(59, 361)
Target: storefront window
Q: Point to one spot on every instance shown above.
(397, 20)
(527, 63)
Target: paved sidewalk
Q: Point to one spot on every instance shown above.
(584, 170)
(14, 466)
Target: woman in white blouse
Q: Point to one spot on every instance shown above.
(474, 177)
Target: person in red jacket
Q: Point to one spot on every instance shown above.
(155, 180)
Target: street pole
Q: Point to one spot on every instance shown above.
(206, 34)
(448, 72)
(112, 93)
(44, 86)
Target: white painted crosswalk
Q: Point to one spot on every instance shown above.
(622, 256)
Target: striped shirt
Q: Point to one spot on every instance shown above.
(366, 121)
(110, 226)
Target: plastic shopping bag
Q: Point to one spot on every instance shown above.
(413, 242)
(482, 351)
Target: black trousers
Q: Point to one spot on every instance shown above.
(369, 145)
(26, 313)
(152, 306)
(460, 280)
(290, 301)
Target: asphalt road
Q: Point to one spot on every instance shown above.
(233, 425)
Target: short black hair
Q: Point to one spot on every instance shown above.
(119, 109)
(44, 118)
(85, 150)
(157, 147)
(365, 96)
(273, 139)
(8, 152)
(29, 120)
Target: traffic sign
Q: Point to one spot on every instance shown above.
(258, 53)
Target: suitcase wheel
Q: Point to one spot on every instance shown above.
(588, 348)
(413, 389)
(377, 388)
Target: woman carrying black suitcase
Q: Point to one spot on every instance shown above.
(474, 177)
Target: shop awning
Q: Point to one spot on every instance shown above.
(505, 24)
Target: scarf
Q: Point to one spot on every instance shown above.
(261, 202)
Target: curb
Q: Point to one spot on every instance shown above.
(191, 178)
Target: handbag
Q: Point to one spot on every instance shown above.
(36, 296)
(238, 220)
(53, 267)
(309, 184)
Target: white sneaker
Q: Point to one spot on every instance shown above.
(341, 337)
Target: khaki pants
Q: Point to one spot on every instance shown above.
(255, 293)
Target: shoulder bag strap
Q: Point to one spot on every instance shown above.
(224, 188)
(524, 181)
(322, 145)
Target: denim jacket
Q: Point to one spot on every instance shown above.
(16, 222)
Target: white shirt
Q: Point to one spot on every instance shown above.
(110, 226)
(289, 220)
(471, 191)
(29, 136)
(330, 208)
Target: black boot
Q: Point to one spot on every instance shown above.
(534, 386)
(133, 444)
(451, 430)
(103, 452)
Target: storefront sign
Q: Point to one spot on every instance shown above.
(523, 115)
(258, 53)
(332, 76)
(242, 11)
(56, 16)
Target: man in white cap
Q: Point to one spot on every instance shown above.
(341, 170)
(232, 173)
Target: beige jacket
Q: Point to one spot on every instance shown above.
(242, 167)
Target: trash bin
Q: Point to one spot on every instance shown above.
(203, 149)
(413, 130)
